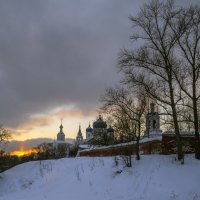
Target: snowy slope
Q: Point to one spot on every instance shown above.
(154, 177)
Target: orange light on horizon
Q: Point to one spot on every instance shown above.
(22, 148)
(24, 152)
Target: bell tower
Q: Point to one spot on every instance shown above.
(152, 122)
(61, 135)
(79, 137)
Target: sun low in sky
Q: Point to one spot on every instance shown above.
(23, 152)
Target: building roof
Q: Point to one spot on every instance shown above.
(99, 123)
(89, 129)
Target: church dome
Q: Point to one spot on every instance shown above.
(110, 130)
(99, 123)
(89, 129)
(61, 135)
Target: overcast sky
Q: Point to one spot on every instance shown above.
(58, 55)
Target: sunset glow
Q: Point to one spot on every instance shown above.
(21, 153)
(46, 125)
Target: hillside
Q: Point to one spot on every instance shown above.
(153, 177)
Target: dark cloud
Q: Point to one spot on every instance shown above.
(59, 52)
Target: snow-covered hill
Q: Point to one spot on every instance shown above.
(154, 177)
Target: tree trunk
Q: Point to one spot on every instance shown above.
(176, 126)
(137, 149)
(196, 123)
(138, 143)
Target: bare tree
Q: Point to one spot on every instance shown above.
(187, 73)
(4, 138)
(121, 124)
(4, 135)
(133, 107)
(151, 65)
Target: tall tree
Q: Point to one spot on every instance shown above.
(152, 64)
(133, 107)
(187, 73)
(4, 135)
(121, 123)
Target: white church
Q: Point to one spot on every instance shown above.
(152, 122)
(100, 130)
(61, 143)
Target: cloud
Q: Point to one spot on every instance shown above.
(35, 121)
(47, 119)
(55, 53)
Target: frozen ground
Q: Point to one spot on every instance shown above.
(154, 177)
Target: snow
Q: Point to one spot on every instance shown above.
(153, 177)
